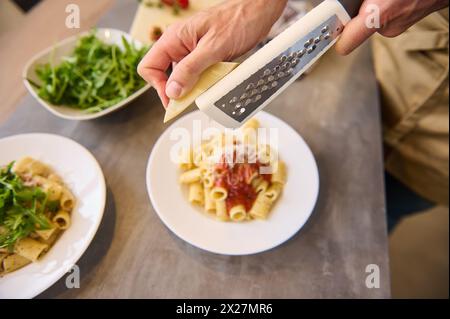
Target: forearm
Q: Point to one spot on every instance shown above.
(395, 17)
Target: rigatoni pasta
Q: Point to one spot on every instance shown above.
(30, 248)
(221, 211)
(273, 192)
(244, 188)
(196, 195)
(67, 200)
(279, 174)
(238, 213)
(42, 211)
(46, 234)
(219, 193)
(191, 176)
(62, 219)
(13, 262)
(261, 207)
(210, 203)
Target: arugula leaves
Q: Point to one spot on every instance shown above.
(22, 209)
(96, 76)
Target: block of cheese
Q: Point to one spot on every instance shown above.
(208, 78)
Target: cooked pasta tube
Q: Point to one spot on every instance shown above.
(205, 168)
(185, 166)
(261, 207)
(238, 213)
(191, 176)
(30, 249)
(210, 204)
(196, 195)
(221, 211)
(53, 237)
(54, 190)
(55, 178)
(262, 186)
(14, 262)
(279, 173)
(62, 219)
(186, 160)
(256, 181)
(38, 168)
(46, 233)
(273, 192)
(67, 201)
(22, 166)
(208, 179)
(207, 149)
(252, 123)
(2, 256)
(219, 193)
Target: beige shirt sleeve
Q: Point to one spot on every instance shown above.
(413, 71)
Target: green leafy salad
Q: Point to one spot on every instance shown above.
(94, 77)
(23, 209)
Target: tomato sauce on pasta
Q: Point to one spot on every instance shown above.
(236, 180)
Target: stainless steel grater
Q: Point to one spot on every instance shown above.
(268, 72)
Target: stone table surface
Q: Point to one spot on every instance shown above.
(335, 109)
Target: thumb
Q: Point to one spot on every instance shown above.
(187, 72)
(354, 34)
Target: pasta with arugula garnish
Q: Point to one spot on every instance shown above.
(35, 209)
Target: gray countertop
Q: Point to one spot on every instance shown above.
(335, 109)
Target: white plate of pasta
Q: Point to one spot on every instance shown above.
(232, 192)
(52, 198)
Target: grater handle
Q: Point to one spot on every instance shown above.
(352, 6)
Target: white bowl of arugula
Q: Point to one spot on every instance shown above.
(87, 76)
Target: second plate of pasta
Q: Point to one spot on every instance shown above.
(53, 198)
(232, 193)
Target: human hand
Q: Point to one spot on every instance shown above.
(221, 33)
(396, 16)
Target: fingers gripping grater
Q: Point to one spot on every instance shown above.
(268, 72)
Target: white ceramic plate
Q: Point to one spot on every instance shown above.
(65, 48)
(286, 218)
(83, 175)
